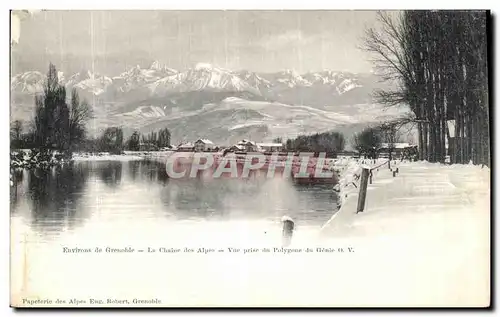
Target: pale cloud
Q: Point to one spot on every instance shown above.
(264, 41)
(295, 38)
(15, 28)
(16, 16)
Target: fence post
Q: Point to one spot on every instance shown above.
(288, 226)
(362, 189)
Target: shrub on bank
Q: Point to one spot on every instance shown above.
(36, 158)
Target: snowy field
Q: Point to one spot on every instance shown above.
(127, 156)
(105, 157)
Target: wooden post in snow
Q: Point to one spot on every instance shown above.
(288, 226)
(363, 184)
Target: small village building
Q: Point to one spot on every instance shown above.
(398, 149)
(203, 145)
(185, 147)
(168, 148)
(270, 147)
(249, 146)
(235, 148)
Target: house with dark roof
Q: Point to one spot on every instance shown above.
(185, 147)
(203, 145)
(248, 145)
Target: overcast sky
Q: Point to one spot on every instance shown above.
(265, 41)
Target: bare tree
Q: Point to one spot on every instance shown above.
(390, 134)
(133, 143)
(112, 140)
(368, 142)
(437, 62)
(51, 114)
(163, 138)
(16, 131)
(80, 113)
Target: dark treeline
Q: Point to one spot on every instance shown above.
(368, 142)
(330, 142)
(154, 140)
(59, 124)
(439, 60)
(113, 142)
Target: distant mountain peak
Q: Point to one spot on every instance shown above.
(204, 66)
(158, 66)
(291, 72)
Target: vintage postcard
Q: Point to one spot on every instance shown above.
(233, 158)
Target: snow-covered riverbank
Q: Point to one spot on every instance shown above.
(37, 159)
(106, 157)
(418, 184)
(428, 230)
(349, 172)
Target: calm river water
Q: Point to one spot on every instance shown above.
(119, 204)
(87, 192)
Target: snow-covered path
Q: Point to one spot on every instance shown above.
(419, 189)
(430, 227)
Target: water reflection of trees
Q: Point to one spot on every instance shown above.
(145, 171)
(110, 173)
(16, 188)
(133, 169)
(154, 171)
(55, 196)
(247, 199)
(196, 198)
(149, 171)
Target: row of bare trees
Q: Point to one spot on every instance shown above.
(438, 62)
(112, 141)
(152, 141)
(382, 137)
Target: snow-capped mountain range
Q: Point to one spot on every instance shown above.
(159, 80)
(210, 101)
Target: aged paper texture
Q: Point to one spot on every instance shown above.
(249, 159)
